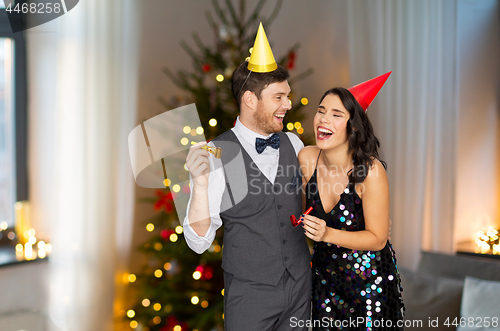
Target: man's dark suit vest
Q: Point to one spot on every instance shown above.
(259, 239)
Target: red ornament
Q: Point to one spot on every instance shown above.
(206, 67)
(290, 63)
(164, 201)
(172, 321)
(208, 272)
(165, 234)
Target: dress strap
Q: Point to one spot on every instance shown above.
(317, 160)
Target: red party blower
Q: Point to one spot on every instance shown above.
(296, 221)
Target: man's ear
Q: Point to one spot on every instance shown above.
(249, 99)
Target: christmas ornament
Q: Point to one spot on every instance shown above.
(206, 67)
(262, 59)
(291, 61)
(367, 91)
(164, 202)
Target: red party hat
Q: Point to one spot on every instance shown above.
(367, 91)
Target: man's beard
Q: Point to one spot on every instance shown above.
(265, 121)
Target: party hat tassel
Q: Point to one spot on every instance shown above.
(367, 91)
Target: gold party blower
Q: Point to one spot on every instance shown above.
(216, 151)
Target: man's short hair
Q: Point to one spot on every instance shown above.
(256, 82)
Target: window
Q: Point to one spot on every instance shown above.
(13, 134)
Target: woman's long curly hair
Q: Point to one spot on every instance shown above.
(362, 141)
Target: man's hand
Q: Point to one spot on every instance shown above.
(198, 164)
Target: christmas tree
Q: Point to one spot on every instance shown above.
(178, 289)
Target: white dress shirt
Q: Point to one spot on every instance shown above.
(267, 162)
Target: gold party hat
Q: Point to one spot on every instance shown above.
(262, 59)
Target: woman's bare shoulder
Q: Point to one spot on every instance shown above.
(307, 160)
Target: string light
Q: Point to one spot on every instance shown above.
(146, 302)
(219, 78)
(300, 130)
(4, 225)
(222, 292)
(173, 237)
(186, 129)
(28, 251)
(297, 125)
(212, 122)
(184, 141)
(195, 300)
(488, 240)
(304, 101)
(150, 227)
(158, 273)
(176, 188)
(177, 328)
(199, 130)
(132, 278)
(289, 126)
(204, 304)
(130, 313)
(217, 248)
(167, 266)
(157, 320)
(167, 182)
(158, 246)
(178, 229)
(134, 324)
(157, 307)
(196, 275)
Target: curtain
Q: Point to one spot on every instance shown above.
(82, 105)
(415, 114)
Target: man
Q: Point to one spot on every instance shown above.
(267, 275)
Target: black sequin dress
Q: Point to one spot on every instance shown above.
(352, 289)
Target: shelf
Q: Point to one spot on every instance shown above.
(469, 248)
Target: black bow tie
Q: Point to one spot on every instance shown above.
(273, 141)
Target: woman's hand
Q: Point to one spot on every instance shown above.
(315, 228)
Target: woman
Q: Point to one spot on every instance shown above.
(356, 283)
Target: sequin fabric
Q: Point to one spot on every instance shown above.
(352, 289)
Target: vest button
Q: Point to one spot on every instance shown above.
(280, 206)
(284, 241)
(282, 224)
